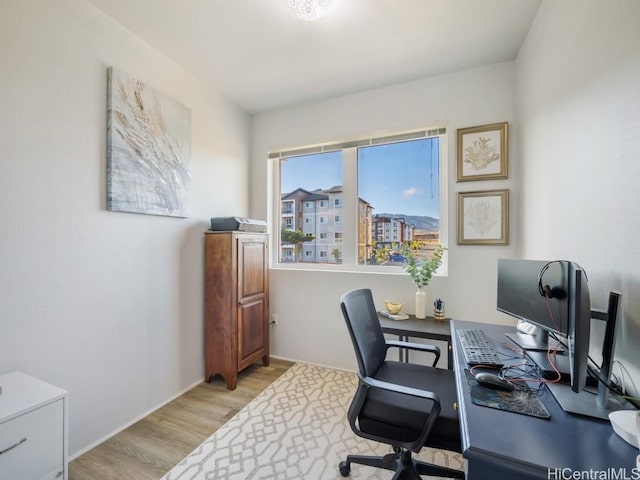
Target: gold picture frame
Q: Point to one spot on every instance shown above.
(483, 152)
(483, 217)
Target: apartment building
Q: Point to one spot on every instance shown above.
(388, 230)
(318, 216)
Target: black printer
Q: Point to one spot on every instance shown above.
(238, 223)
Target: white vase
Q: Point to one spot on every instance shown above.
(421, 303)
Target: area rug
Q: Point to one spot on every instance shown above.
(296, 429)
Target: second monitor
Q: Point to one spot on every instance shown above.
(554, 296)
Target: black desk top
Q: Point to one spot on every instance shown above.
(531, 446)
(413, 327)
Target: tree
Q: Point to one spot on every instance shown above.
(297, 238)
(337, 254)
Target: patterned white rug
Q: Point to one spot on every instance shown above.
(295, 429)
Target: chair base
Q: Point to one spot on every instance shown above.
(402, 463)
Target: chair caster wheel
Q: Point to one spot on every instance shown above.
(345, 469)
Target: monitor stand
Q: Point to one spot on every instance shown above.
(526, 341)
(561, 362)
(539, 341)
(584, 403)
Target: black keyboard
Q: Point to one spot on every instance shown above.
(477, 348)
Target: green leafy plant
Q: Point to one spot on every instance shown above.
(421, 271)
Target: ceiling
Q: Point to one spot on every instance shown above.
(259, 56)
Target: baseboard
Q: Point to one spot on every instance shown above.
(128, 424)
(296, 360)
(151, 410)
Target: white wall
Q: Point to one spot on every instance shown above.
(578, 90)
(109, 305)
(311, 327)
(106, 305)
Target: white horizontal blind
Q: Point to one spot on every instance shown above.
(332, 147)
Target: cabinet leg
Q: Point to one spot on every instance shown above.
(265, 360)
(231, 379)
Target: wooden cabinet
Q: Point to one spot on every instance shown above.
(236, 303)
(33, 429)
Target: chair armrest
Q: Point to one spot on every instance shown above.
(422, 347)
(394, 387)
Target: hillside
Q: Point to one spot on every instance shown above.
(427, 224)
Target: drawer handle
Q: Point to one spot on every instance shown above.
(13, 446)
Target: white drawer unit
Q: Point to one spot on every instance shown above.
(33, 429)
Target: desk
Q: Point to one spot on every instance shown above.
(504, 445)
(426, 328)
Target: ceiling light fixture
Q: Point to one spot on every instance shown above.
(309, 10)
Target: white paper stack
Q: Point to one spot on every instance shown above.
(397, 316)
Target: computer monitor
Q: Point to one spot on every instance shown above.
(579, 328)
(553, 296)
(519, 293)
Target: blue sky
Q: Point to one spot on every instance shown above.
(394, 178)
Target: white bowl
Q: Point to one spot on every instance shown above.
(624, 424)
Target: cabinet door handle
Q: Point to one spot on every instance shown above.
(18, 443)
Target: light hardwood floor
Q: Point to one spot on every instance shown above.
(151, 447)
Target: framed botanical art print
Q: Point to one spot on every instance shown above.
(483, 217)
(483, 153)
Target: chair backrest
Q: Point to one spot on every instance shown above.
(364, 328)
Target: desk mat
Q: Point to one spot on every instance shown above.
(523, 401)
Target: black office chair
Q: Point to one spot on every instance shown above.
(401, 404)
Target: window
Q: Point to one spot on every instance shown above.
(375, 193)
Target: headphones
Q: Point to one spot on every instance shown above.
(544, 289)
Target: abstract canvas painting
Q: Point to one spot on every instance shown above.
(148, 149)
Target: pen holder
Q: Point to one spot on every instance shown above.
(438, 310)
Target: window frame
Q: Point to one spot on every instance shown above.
(349, 207)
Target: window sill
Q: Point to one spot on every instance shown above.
(373, 270)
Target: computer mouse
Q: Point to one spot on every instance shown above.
(493, 381)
